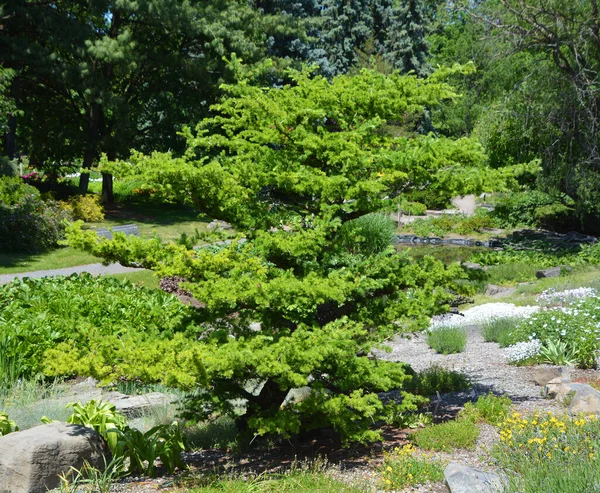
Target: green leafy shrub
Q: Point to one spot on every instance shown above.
(447, 436)
(86, 208)
(27, 223)
(7, 425)
(489, 408)
(438, 379)
(402, 468)
(447, 340)
(413, 208)
(534, 208)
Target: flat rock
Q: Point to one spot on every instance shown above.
(498, 291)
(134, 406)
(463, 479)
(31, 460)
(552, 271)
(213, 225)
(580, 397)
(543, 375)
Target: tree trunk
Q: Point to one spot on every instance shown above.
(84, 178)
(107, 189)
(10, 136)
(91, 152)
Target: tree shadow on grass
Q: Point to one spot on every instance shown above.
(159, 214)
(14, 259)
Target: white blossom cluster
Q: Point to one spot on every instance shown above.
(553, 297)
(481, 314)
(523, 350)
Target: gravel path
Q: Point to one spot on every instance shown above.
(94, 269)
(484, 363)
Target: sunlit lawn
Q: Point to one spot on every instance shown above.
(165, 221)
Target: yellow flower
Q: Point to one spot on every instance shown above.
(389, 469)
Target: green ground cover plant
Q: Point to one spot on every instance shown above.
(447, 340)
(458, 224)
(81, 325)
(488, 408)
(460, 433)
(300, 479)
(403, 467)
(542, 256)
(550, 453)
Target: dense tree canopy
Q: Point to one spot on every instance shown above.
(303, 171)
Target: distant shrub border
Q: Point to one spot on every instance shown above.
(27, 223)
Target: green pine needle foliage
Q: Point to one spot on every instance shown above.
(299, 171)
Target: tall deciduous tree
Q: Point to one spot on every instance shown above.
(557, 106)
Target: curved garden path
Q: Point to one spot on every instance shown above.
(94, 269)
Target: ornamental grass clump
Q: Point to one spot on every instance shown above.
(498, 329)
(404, 467)
(447, 340)
(545, 452)
(437, 379)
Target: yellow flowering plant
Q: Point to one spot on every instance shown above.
(550, 453)
(405, 466)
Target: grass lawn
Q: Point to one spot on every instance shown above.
(165, 221)
(13, 263)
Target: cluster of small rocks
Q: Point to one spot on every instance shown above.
(170, 284)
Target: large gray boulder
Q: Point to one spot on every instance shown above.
(579, 397)
(464, 479)
(31, 460)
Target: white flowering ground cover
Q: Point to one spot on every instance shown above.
(567, 320)
(551, 297)
(483, 313)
